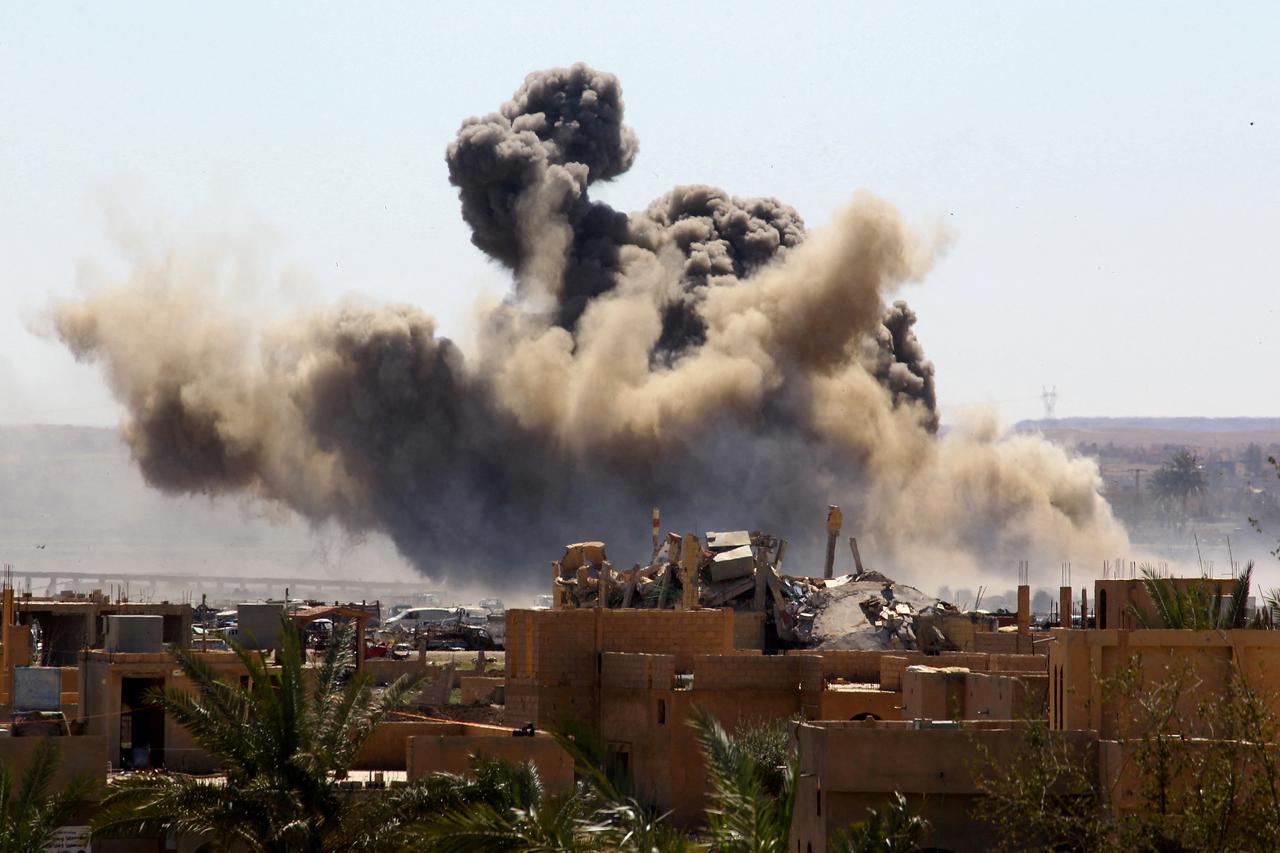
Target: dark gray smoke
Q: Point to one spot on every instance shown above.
(705, 355)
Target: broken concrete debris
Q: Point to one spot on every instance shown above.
(741, 570)
(735, 563)
(718, 542)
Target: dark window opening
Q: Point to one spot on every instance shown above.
(1102, 608)
(141, 725)
(621, 760)
(662, 712)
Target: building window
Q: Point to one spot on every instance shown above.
(662, 712)
(1102, 608)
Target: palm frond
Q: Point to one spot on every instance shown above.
(1197, 605)
(29, 820)
(892, 829)
(744, 815)
(39, 776)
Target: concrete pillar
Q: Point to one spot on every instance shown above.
(690, 562)
(1064, 606)
(556, 603)
(834, 520)
(857, 555)
(1024, 609)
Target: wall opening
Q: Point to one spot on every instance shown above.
(619, 761)
(1102, 608)
(662, 712)
(141, 725)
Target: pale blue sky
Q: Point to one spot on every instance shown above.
(1110, 171)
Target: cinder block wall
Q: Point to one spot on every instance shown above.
(1000, 696)
(622, 671)
(759, 673)
(684, 634)
(554, 657)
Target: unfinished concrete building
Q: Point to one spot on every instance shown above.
(72, 623)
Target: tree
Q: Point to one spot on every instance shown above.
(894, 829)
(283, 743)
(1206, 776)
(1194, 606)
(29, 813)
(1267, 507)
(751, 805)
(1179, 479)
(1045, 798)
(514, 815)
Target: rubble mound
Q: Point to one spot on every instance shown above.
(862, 612)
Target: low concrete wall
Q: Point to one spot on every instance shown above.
(937, 770)
(998, 696)
(86, 754)
(847, 704)
(453, 753)
(933, 693)
(388, 747)
(383, 671)
(435, 692)
(478, 689)
(1019, 663)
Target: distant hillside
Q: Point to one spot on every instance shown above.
(1206, 433)
(1171, 424)
(71, 498)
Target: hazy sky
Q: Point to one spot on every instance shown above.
(1110, 172)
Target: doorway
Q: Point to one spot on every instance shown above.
(141, 725)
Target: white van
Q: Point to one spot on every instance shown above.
(417, 617)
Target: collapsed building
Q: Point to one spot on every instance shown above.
(742, 571)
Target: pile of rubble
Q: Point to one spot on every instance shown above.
(742, 570)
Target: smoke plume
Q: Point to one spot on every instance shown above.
(707, 355)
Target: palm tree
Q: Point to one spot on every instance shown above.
(283, 743)
(1196, 606)
(1181, 477)
(751, 805)
(597, 815)
(894, 829)
(30, 815)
